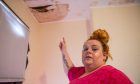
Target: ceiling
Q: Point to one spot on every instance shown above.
(60, 10)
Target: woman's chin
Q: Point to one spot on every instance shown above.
(88, 62)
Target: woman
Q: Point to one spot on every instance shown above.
(94, 56)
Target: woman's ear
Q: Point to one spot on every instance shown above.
(105, 56)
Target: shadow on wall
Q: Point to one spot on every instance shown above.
(43, 78)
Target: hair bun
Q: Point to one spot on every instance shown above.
(101, 35)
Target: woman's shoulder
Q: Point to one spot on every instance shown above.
(117, 75)
(75, 72)
(77, 68)
(113, 71)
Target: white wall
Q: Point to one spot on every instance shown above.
(45, 60)
(123, 25)
(75, 34)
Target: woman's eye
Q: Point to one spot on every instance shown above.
(85, 49)
(94, 49)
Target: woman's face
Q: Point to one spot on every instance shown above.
(92, 53)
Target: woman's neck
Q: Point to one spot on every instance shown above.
(89, 69)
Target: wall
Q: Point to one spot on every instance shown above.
(123, 25)
(75, 34)
(45, 60)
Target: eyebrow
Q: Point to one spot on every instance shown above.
(91, 45)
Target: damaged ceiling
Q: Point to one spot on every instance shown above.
(60, 10)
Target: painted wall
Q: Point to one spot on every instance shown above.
(51, 34)
(123, 25)
(45, 60)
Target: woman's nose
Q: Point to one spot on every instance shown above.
(89, 50)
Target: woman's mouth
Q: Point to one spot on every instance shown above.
(88, 57)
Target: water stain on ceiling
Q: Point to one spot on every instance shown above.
(58, 10)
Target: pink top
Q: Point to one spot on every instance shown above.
(105, 75)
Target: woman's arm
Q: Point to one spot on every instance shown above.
(66, 59)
